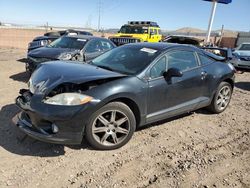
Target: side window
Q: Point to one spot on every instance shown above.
(93, 46)
(182, 60)
(205, 60)
(152, 31)
(159, 68)
(156, 31)
(106, 45)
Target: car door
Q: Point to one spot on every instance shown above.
(181, 94)
(151, 35)
(207, 77)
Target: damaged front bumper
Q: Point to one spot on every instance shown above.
(51, 123)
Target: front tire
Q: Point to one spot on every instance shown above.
(111, 127)
(221, 98)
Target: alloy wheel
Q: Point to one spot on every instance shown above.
(111, 128)
(223, 97)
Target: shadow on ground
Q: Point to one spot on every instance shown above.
(21, 77)
(243, 85)
(14, 141)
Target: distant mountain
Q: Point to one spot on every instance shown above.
(189, 30)
(112, 30)
(199, 32)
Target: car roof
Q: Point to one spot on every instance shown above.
(184, 36)
(161, 46)
(87, 37)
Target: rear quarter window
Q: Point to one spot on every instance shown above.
(182, 60)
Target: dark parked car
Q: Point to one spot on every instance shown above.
(182, 39)
(78, 47)
(51, 36)
(121, 90)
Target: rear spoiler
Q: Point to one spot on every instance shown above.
(219, 54)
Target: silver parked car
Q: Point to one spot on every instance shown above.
(241, 56)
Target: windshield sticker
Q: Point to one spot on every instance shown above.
(148, 50)
(83, 40)
(72, 34)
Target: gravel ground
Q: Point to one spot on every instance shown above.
(195, 150)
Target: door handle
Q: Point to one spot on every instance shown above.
(203, 75)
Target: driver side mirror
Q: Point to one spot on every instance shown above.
(172, 72)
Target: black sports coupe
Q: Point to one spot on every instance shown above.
(82, 48)
(121, 90)
(49, 37)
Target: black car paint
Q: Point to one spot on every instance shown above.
(150, 100)
(49, 53)
(51, 36)
(44, 54)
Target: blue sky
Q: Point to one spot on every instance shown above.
(170, 15)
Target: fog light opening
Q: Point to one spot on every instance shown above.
(54, 128)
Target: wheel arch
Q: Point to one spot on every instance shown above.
(132, 105)
(230, 81)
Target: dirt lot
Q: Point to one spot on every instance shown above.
(195, 150)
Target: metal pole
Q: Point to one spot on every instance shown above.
(221, 34)
(99, 16)
(211, 21)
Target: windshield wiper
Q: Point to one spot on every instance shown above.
(108, 68)
(105, 67)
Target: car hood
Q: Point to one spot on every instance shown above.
(242, 53)
(44, 38)
(51, 74)
(50, 53)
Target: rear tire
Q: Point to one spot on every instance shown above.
(110, 127)
(221, 98)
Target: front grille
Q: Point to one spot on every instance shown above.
(38, 44)
(35, 124)
(123, 40)
(247, 58)
(35, 44)
(244, 66)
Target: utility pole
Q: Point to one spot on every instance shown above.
(46, 27)
(211, 22)
(221, 34)
(215, 2)
(99, 14)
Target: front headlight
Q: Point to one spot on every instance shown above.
(44, 42)
(231, 66)
(68, 99)
(65, 56)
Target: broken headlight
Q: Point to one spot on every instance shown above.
(68, 99)
(65, 56)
